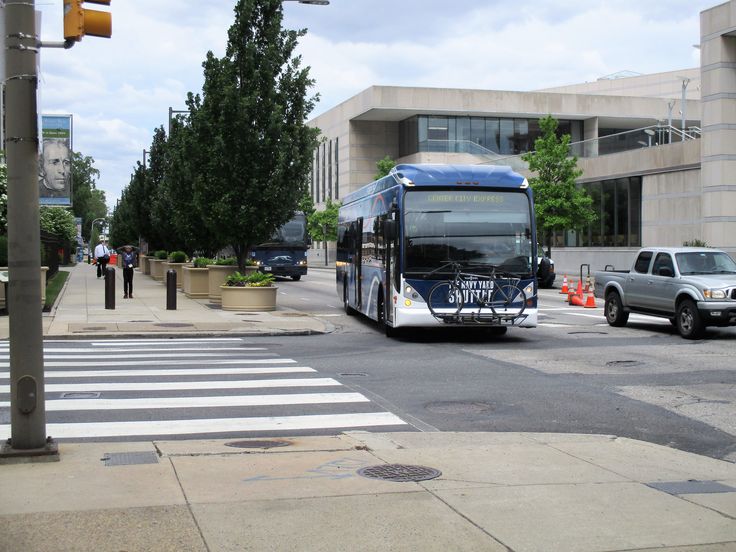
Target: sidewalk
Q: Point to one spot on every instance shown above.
(496, 491)
(80, 312)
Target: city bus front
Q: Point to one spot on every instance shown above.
(486, 235)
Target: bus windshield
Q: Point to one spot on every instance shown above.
(293, 233)
(475, 228)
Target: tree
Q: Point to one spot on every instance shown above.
(384, 166)
(87, 201)
(58, 221)
(319, 221)
(559, 204)
(160, 198)
(254, 147)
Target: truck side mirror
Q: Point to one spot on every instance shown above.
(390, 230)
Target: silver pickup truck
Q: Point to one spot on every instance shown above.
(692, 287)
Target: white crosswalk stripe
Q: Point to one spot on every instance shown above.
(128, 389)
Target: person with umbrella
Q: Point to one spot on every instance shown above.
(128, 256)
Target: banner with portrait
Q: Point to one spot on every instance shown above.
(55, 164)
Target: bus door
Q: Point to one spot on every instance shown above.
(358, 262)
(389, 238)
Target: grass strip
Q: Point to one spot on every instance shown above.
(53, 287)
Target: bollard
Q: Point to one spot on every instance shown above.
(110, 288)
(171, 290)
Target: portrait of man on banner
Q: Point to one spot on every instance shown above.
(55, 164)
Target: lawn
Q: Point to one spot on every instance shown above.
(53, 287)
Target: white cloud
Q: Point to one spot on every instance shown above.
(119, 90)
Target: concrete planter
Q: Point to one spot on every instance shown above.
(156, 268)
(195, 282)
(44, 270)
(143, 264)
(248, 298)
(216, 276)
(178, 267)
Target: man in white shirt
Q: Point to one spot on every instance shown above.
(102, 254)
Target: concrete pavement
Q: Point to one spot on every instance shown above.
(492, 491)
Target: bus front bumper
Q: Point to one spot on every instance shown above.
(421, 317)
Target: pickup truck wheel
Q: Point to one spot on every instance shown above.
(689, 323)
(614, 310)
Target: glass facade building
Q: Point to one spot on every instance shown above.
(475, 135)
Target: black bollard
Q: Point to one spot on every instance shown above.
(110, 288)
(171, 290)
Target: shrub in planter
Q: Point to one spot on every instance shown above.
(177, 257)
(254, 279)
(226, 261)
(202, 262)
(161, 255)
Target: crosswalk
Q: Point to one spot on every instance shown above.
(130, 389)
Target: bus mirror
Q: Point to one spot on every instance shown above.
(390, 230)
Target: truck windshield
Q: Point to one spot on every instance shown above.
(705, 262)
(476, 228)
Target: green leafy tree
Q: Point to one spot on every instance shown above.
(255, 149)
(383, 167)
(320, 221)
(559, 203)
(122, 228)
(58, 221)
(161, 198)
(87, 201)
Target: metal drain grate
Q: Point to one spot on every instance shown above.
(399, 472)
(129, 458)
(691, 487)
(258, 444)
(173, 325)
(81, 395)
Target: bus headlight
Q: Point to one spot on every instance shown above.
(411, 293)
(529, 290)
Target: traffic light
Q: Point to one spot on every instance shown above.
(79, 21)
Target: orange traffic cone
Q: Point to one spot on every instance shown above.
(579, 291)
(590, 303)
(587, 284)
(576, 300)
(564, 289)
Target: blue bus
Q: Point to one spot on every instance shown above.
(469, 228)
(285, 254)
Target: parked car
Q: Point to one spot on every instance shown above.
(692, 287)
(545, 269)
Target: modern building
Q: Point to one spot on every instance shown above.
(658, 151)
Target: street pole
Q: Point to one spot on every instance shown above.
(27, 394)
(324, 240)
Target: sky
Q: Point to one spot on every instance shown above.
(120, 89)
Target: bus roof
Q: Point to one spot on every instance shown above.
(441, 175)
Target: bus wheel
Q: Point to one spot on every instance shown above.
(296, 277)
(390, 331)
(350, 311)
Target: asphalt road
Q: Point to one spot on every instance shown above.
(573, 373)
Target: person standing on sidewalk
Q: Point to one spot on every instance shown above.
(128, 264)
(102, 255)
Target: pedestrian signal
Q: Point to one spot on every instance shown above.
(79, 22)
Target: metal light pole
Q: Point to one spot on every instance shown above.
(171, 115)
(27, 392)
(683, 111)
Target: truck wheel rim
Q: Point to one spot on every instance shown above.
(686, 319)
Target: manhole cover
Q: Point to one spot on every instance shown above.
(81, 395)
(258, 444)
(591, 333)
(459, 407)
(624, 363)
(129, 458)
(173, 325)
(246, 314)
(399, 472)
(94, 328)
(353, 374)
(292, 314)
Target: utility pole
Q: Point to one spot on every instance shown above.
(27, 396)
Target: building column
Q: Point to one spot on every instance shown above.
(590, 132)
(718, 101)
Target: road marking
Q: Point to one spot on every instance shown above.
(586, 315)
(200, 402)
(552, 325)
(180, 385)
(106, 342)
(58, 364)
(217, 425)
(147, 350)
(152, 356)
(170, 372)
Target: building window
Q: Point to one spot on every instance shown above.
(337, 170)
(316, 175)
(618, 206)
(329, 171)
(324, 173)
